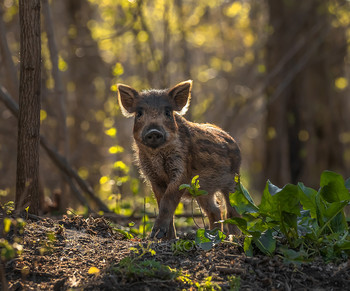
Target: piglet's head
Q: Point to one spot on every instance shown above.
(153, 112)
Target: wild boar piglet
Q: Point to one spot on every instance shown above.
(171, 150)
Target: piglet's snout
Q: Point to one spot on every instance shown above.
(153, 138)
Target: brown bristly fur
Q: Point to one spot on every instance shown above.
(171, 150)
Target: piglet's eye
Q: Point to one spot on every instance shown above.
(167, 112)
(139, 113)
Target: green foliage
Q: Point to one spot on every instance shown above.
(296, 221)
(234, 282)
(206, 239)
(9, 207)
(134, 268)
(193, 189)
(182, 246)
(48, 244)
(208, 285)
(129, 232)
(10, 248)
(137, 270)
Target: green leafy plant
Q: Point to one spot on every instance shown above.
(135, 268)
(9, 250)
(234, 282)
(183, 246)
(193, 189)
(208, 285)
(296, 221)
(8, 207)
(48, 244)
(10, 243)
(129, 232)
(205, 238)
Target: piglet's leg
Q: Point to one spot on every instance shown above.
(172, 230)
(158, 193)
(164, 224)
(212, 210)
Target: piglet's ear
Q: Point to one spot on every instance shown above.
(181, 96)
(126, 99)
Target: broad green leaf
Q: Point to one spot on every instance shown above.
(206, 239)
(308, 199)
(334, 192)
(288, 199)
(336, 215)
(258, 226)
(240, 222)
(333, 217)
(273, 189)
(290, 219)
(215, 235)
(266, 243)
(329, 176)
(334, 208)
(242, 189)
(254, 231)
(247, 246)
(239, 200)
(333, 187)
(320, 209)
(292, 256)
(268, 205)
(285, 199)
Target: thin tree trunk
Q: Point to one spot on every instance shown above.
(27, 183)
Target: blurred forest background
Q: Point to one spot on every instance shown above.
(273, 73)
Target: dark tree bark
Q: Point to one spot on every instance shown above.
(304, 112)
(27, 183)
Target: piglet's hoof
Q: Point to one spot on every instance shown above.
(159, 232)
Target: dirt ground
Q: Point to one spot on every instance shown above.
(86, 254)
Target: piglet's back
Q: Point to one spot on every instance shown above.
(210, 148)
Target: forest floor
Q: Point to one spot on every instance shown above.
(87, 254)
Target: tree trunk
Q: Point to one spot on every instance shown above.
(304, 113)
(27, 184)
